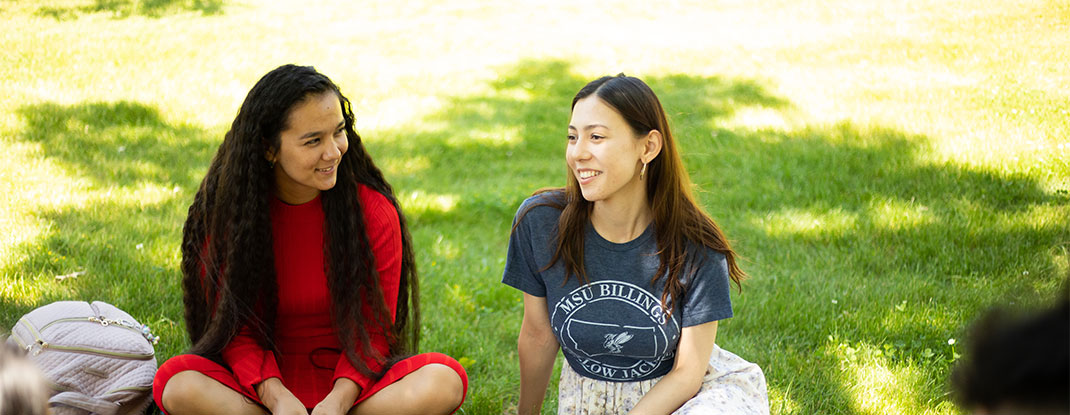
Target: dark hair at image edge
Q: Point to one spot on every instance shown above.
(229, 279)
(1017, 362)
(678, 219)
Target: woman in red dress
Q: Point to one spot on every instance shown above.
(298, 274)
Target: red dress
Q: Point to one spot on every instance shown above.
(310, 358)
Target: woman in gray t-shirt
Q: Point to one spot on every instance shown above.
(625, 274)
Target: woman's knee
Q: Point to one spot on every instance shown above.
(439, 385)
(183, 387)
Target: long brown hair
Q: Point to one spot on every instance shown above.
(678, 220)
(229, 278)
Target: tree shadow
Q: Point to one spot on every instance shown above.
(138, 173)
(126, 8)
(118, 143)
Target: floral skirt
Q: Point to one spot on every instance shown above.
(731, 386)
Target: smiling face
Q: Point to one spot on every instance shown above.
(310, 149)
(604, 154)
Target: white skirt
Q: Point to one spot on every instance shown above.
(731, 386)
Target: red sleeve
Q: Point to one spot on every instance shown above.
(384, 234)
(250, 362)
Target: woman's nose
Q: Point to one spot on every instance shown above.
(333, 151)
(579, 150)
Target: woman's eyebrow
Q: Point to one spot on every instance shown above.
(316, 133)
(588, 127)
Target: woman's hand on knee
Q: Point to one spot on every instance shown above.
(278, 399)
(340, 400)
(289, 407)
(330, 406)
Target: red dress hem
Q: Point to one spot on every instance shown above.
(222, 375)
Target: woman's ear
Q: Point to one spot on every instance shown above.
(651, 145)
(270, 156)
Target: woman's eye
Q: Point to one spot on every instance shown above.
(571, 137)
(312, 142)
(596, 137)
(340, 132)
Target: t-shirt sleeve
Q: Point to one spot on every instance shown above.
(521, 270)
(384, 235)
(708, 299)
(251, 363)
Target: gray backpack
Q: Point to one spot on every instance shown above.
(96, 358)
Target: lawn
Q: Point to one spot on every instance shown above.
(888, 170)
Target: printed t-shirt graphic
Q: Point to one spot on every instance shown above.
(614, 329)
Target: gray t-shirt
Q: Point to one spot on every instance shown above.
(613, 328)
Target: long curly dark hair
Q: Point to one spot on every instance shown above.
(229, 278)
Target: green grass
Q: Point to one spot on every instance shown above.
(887, 171)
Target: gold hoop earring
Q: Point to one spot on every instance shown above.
(642, 172)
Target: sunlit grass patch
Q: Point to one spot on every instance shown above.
(394, 112)
(809, 224)
(877, 385)
(900, 214)
(401, 165)
(762, 118)
(416, 202)
(782, 403)
(16, 290)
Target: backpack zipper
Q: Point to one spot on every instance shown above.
(92, 319)
(75, 349)
(141, 329)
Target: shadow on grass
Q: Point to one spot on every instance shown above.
(137, 174)
(840, 212)
(118, 144)
(127, 8)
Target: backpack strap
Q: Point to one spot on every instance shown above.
(83, 401)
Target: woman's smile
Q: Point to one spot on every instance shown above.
(586, 175)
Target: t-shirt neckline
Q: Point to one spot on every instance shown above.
(640, 240)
